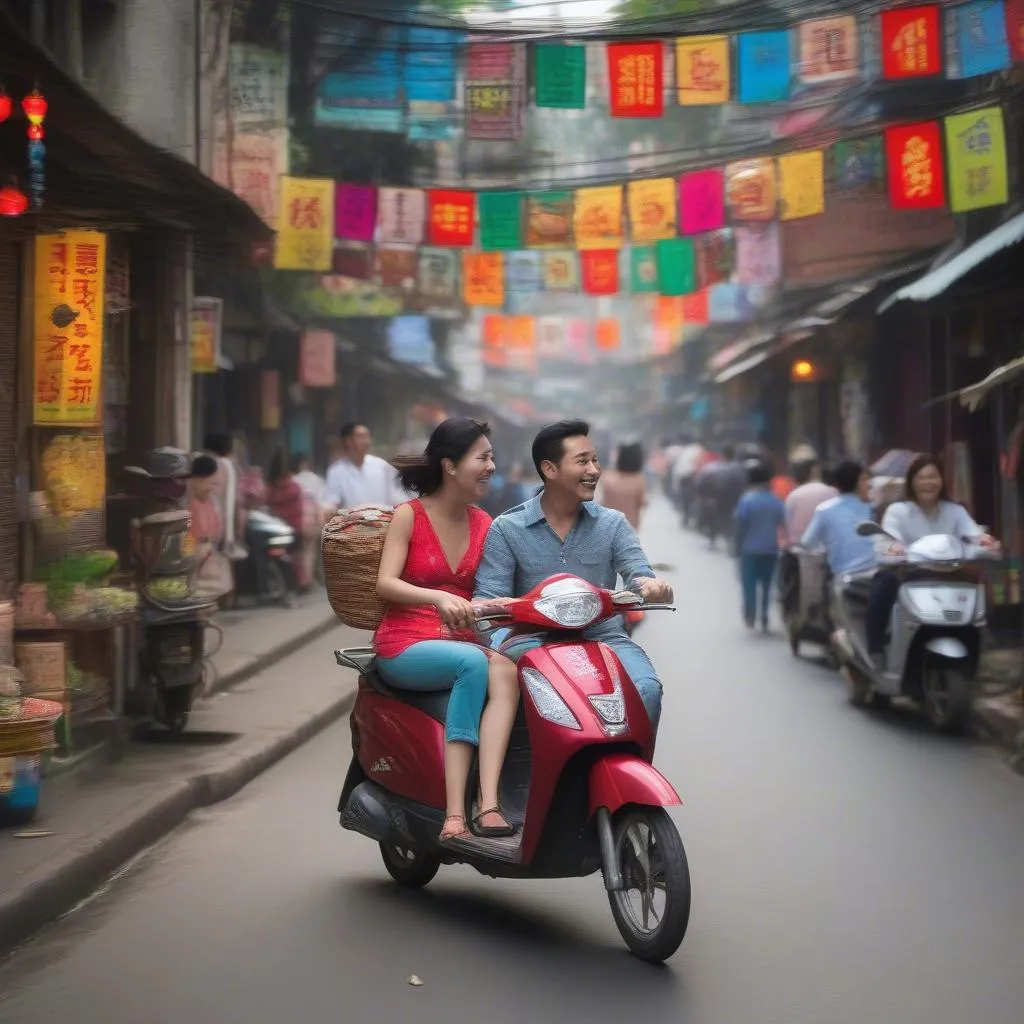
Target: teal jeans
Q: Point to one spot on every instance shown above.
(433, 665)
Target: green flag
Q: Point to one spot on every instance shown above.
(561, 76)
(644, 269)
(676, 267)
(501, 220)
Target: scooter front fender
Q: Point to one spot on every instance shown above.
(620, 779)
(947, 647)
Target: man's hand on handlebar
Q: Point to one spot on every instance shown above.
(491, 606)
(654, 591)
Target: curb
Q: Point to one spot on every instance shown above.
(266, 659)
(79, 871)
(992, 723)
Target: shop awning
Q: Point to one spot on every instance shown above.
(737, 369)
(937, 281)
(100, 171)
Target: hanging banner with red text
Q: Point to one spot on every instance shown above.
(70, 285)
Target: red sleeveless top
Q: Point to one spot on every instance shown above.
(426, 566)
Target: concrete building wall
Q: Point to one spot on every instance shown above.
(140, 62)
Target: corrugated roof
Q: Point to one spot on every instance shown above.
(937, 281)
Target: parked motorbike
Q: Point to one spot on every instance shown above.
(934, 631)
(804, 598)
(267, 573)
(578, 782)
(173, 617)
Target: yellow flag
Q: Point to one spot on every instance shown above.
(977, 160)
(802, 184)
(598, 217)
(702, 70)
(652, 209)
(305, 238)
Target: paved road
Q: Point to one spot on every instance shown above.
(846, 870)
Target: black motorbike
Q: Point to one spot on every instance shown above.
(174, 617)
(268, 571)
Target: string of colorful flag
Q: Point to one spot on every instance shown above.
(499, 241)
(914, 42)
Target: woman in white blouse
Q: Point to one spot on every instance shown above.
(925, 511)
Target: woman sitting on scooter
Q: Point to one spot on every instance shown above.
(926, 511)
(426, 639)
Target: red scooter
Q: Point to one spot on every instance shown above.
(578, 782)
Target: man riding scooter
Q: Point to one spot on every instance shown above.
(564, 530)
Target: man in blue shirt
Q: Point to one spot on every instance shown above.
(563, 529)
(759, 517)
(834, 523)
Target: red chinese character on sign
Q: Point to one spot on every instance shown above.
(48, 389)
(306, 214)
(83, 293)
(79, 355)
(55, 348)
(636, 78)
(87, 259)
(80, 390)
(914, 158)
(81, 330)
(58, 267)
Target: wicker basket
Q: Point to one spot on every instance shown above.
(352, 545)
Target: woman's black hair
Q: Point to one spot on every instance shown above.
(278, 468)
(452, 439)
(923, 462)
(204, 466)
(630, 458)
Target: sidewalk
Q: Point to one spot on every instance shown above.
(998, 712)
(277, 685)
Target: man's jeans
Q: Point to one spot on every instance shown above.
(634, 660)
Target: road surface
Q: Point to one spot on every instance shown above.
(846, 869)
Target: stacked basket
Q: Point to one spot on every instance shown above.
(352, 545)
(26, 723)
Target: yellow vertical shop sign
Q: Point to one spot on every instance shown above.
(70, 283)
(305, 232)
(205, 333)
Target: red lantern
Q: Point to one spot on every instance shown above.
(13, 202)
(35, 107)
(35, 132)
(5, 107)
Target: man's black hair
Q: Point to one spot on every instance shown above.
(846, 476)
(549, 444)
(204, 466)
(804, 470)
(349, 428)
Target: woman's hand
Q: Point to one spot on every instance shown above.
(986, 540)
(455, 612)
(491, 606)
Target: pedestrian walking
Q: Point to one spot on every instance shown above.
(759, 518)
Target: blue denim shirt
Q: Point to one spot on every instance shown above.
(834, 527)
(759, 517)
(522, 551)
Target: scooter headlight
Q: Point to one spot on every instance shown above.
(571, 611)
(547, 700)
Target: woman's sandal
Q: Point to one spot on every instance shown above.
(448, 834)
(492, 831)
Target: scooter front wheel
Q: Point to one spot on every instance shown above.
(652, 910)
(408, 866)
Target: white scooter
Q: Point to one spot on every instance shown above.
(935, 628)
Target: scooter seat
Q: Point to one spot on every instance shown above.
(433, 703)
(363, 659)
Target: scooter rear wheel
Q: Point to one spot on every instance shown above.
(408, 866)
(652, 860)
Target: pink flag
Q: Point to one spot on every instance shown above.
(701, 201)
(355, 212)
